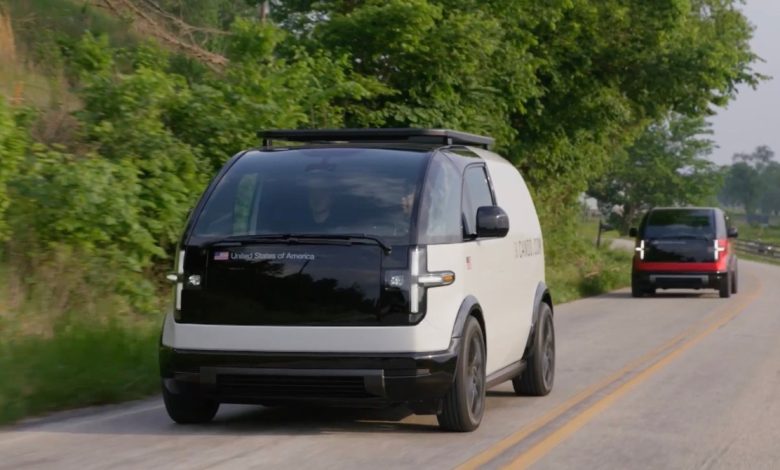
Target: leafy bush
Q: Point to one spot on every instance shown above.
(12, 143)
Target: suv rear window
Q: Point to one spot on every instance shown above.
(316, 191)
(680, 223)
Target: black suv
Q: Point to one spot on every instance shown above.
(686, 248)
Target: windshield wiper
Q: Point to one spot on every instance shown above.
(345, 236)
(241, 239)
(294, 237)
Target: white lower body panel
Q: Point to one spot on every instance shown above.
(427, 336)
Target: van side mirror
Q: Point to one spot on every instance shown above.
(732, 232)
(633, 232)
(492, 221)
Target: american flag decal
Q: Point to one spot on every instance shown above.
(221, 256)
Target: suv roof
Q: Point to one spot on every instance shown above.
(684, 208)
(435, 137)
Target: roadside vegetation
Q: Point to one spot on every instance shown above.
(752, 184)
(768, 232)
(115, 114)
(584, 270)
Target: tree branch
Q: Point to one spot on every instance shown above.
(148, 24)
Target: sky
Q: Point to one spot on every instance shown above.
(753, 118)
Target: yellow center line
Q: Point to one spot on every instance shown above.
(543, 447)
(518, 436)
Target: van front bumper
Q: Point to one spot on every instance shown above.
(419, 380)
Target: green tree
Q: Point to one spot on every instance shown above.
(741, 186)
(752, 181)
(770, 183)
(666, 165)
(759, 159)
(562, 84)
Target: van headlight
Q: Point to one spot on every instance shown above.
(417, 279)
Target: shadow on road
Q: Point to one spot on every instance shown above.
(662, 295)
(240, 420)
(616, 295)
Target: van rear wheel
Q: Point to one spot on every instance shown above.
(725, 286)
(464, 404)
(539, 374)
(637, 289)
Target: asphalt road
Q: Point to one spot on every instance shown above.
(683, 380)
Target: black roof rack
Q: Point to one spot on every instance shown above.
(411, 135)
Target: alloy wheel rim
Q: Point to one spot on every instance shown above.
(475, 380)
(548, 353)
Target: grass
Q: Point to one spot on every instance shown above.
(576, 268)
(769, 234)
(79, 365)
(57, 354)
(759, 259)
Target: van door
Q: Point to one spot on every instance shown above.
(488, 269)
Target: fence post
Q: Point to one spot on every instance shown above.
(598, 236)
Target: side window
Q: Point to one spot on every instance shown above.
(723, 224)
(440, 219)
(476, 193)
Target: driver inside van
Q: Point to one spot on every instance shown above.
(320, 203)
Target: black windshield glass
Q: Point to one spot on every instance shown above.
(680, 223)
(316, 191)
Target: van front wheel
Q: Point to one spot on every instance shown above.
(185, 408)
(464, 404)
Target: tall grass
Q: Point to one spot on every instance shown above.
(80, 364)
(576, 268)
(66, 341)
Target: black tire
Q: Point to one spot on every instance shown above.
(725, 286)
(636, 289)
(539, 375)
(735, 281)
(185, 408)
(464, 404)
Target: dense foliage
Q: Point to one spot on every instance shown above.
(12, 143)
(667, 165)
(566, 87)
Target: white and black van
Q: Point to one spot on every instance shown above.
(366, 267)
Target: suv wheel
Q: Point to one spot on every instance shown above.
(464, 404)
(726, 286)
(734, 283)
(186, 408)
(636, 288)
(539, 374)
